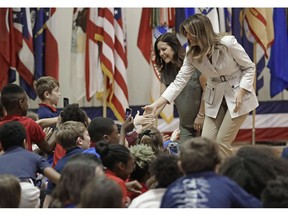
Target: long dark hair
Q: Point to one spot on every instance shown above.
(179, 54)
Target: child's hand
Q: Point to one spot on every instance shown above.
(165, 137)
(175, 135)
(48, 131)
(143, 119)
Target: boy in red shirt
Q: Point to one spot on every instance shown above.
(15, 102)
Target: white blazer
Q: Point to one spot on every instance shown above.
(229, 59)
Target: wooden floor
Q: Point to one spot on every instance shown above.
(276, 147)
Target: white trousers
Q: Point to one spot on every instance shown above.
(30, 196)
(223, 130)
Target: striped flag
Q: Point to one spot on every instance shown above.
(25, 56)
(51, 48)
(260, 23)
(93, 73)
(39, 50)
(144, 40)
(113, 59)
(244, 37)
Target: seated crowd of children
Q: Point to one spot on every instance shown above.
(66, 160)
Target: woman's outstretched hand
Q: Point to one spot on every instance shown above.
(149, 109)
(152, 108)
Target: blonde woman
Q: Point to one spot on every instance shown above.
(229, 94)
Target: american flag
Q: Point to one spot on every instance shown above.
(38, 54)
(25, 57)
(93, 73)
(113, 58)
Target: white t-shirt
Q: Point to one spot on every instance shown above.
(149, 199)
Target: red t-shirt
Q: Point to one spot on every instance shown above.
(120, 182)
(132, 195)
(34, 133)
(59, 152)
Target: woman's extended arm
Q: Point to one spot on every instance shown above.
(174, 89)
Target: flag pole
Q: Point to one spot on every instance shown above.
(104, 96)
(254, 84)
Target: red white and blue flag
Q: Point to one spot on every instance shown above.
(35, 50)
(93, 73)
(113, 59)
(25, 56)
(51, 48)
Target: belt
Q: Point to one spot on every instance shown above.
(224, 78)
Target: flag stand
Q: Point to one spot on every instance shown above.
(254, 84)
(104, 96)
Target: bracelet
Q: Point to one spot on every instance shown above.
(200, 115)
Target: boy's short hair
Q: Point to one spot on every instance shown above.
(99, 126)
(68, 133)
(12, 134)
(45, 83)
(72, 112)
(198, 155)
(10, 96)
(165, 170)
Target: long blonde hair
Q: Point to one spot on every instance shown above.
(200, 26)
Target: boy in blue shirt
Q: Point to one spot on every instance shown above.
(201, 187)
(22, 163)
(47, 89)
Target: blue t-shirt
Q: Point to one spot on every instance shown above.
(91, 151)
(22, 163)
(46, 111)
(207, 190)
(60, 165)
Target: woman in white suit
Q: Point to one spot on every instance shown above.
(229, 94)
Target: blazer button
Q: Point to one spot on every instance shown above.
(232, 86)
